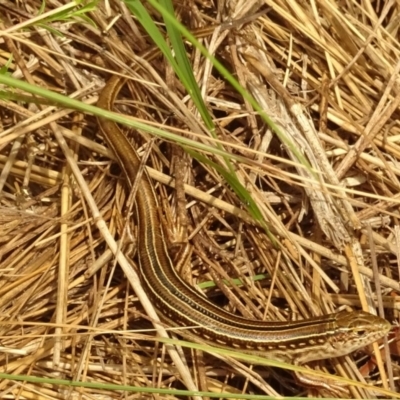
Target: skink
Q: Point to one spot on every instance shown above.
(179, 304)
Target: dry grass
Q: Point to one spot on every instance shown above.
(326, 73)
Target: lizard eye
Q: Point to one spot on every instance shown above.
(361, 332)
